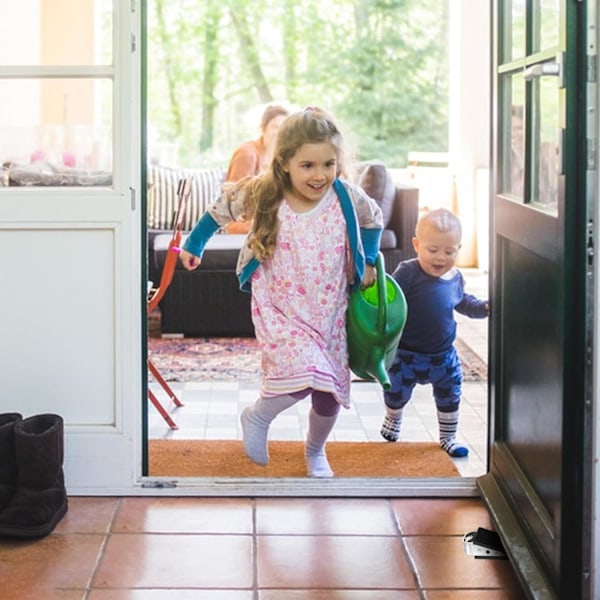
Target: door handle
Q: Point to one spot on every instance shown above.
(551, 68)
(541, 70)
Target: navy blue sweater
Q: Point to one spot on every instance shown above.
(430, 325)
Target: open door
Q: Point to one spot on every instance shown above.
(539, 475)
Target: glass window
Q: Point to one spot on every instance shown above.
(56, 93)
(57, 32)
(61, 128)
(549, 25)
(544, 148)
(513, 147)
(515, 29)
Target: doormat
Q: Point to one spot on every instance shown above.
(226, 458)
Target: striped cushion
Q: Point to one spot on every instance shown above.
(162, 194)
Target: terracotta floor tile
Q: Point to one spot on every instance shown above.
(474, 595)
(184, 515)
(88, 515)
(441, 563)
(343, 594)
(58, 565)
(351, 562)
(313, 516)
(33, 593)
(440, 516)
(176, 561)
(173, 594)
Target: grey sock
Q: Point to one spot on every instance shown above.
(255, 422)
(319, 428)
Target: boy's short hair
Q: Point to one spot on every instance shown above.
(442, 219)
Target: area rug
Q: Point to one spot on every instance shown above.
(238, 359)
(206, 359)
(226, 458)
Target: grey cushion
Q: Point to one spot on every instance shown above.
(377, 181)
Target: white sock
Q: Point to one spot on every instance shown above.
(319, 429)
(255, 422)
(448, 424)
(392, 424)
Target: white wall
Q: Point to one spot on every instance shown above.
(469, 133)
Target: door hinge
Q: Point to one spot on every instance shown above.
(591, 154)
(133, 42)
(592, 65)
(132, 196)
(133, 6)
(589, 246)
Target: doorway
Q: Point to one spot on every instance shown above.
(475, 412)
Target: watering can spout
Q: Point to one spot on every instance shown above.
(380, 373)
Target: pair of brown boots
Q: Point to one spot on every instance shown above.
(33, 498)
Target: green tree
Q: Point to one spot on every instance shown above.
(379, 65)
(210, 74)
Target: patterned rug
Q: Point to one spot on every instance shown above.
(238, 359)
(210, 359)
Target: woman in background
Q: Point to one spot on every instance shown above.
(253, 157)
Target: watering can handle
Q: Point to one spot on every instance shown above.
(382, 294)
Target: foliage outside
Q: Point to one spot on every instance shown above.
(380, 66)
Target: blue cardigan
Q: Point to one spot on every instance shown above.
(362, 253)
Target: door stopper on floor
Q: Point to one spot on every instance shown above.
(484, 543)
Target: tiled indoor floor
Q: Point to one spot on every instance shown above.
(145, 548)
(166, 548)
(212, 408)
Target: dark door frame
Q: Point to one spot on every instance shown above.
(529, 533)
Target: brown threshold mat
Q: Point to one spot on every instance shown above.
(226, 458)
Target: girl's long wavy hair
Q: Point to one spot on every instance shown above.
(264, 193)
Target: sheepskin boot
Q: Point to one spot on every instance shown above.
(40, 501)
(8, 461)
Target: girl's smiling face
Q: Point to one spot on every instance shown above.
(312, 171)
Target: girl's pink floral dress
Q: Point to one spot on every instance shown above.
(299, 301)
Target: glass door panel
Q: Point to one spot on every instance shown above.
(549, 21)
(514, 34)
(48, 37)
(57, 93)
(513, 137)
(544, 161)
(57, 125)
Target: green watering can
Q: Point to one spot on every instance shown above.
(374, 323)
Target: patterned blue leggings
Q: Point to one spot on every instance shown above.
(443, 371)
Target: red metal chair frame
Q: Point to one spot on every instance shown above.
(156, 294)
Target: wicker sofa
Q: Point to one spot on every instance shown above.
(207, 302)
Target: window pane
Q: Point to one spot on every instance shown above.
(549, 24)
(514, 23)
(57, 33)
(513, 146)
(56, 127)
(544, 151)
